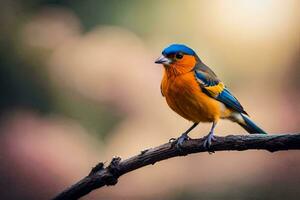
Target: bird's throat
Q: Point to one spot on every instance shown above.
(174, 70)
(182, 66)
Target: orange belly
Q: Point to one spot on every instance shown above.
(184, 95)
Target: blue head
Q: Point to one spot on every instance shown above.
(176, 48)
(179, 54)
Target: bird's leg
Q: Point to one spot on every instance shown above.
(210, 137)
(185, 136)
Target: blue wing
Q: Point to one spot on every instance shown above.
(230, 101)
(213, 87)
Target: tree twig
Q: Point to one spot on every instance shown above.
(101, 175)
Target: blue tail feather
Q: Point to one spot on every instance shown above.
(250, 126)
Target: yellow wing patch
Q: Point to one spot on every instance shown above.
(216, 89)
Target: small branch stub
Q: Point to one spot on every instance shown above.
(98, 167)
(113, 169)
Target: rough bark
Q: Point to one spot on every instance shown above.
(101, 175)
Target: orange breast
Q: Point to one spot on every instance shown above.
(184, 96)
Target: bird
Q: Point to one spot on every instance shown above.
(194, 91)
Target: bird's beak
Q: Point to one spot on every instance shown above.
(163, 60)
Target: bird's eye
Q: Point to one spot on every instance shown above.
(179, 55)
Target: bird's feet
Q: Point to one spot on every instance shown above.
(179, 141)
(208, 140)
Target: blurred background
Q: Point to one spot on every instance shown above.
(79, 85)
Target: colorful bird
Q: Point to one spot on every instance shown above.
(194, 92)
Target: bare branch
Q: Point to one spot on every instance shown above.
(101, 176)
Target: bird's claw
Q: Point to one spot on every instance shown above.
(179, 141)
(208, 140)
